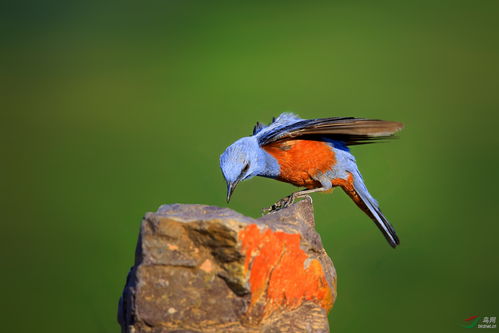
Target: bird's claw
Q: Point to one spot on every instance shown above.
(281, 204)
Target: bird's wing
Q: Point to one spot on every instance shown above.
(351, 131)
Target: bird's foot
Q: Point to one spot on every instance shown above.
(281, 204)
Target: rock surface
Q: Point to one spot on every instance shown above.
(208, 269)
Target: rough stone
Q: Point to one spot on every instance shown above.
(208, 269)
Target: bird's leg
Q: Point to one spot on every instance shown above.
(290, 199)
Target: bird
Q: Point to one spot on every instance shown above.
(310, 153)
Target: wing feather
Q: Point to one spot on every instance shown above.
(350, 130)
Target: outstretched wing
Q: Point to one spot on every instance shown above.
(351, 131)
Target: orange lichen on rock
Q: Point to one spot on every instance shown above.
(281, 273)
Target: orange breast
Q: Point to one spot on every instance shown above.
(300, 160)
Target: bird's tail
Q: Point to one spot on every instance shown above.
(357, 190)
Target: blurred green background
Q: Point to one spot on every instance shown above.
(110, 110)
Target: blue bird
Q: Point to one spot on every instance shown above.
(310, 153)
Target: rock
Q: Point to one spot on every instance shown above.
(208, 269)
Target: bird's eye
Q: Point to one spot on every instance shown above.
(245, 169)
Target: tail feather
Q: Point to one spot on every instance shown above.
(360, 195)
(380, 220)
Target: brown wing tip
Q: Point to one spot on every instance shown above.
(385, 128)
(398, 125)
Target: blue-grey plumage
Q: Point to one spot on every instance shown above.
(245, 159)
(345, 166)
(310, 153)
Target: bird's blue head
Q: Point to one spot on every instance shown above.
(244, 159)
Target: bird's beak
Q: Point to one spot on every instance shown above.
(230, 189)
